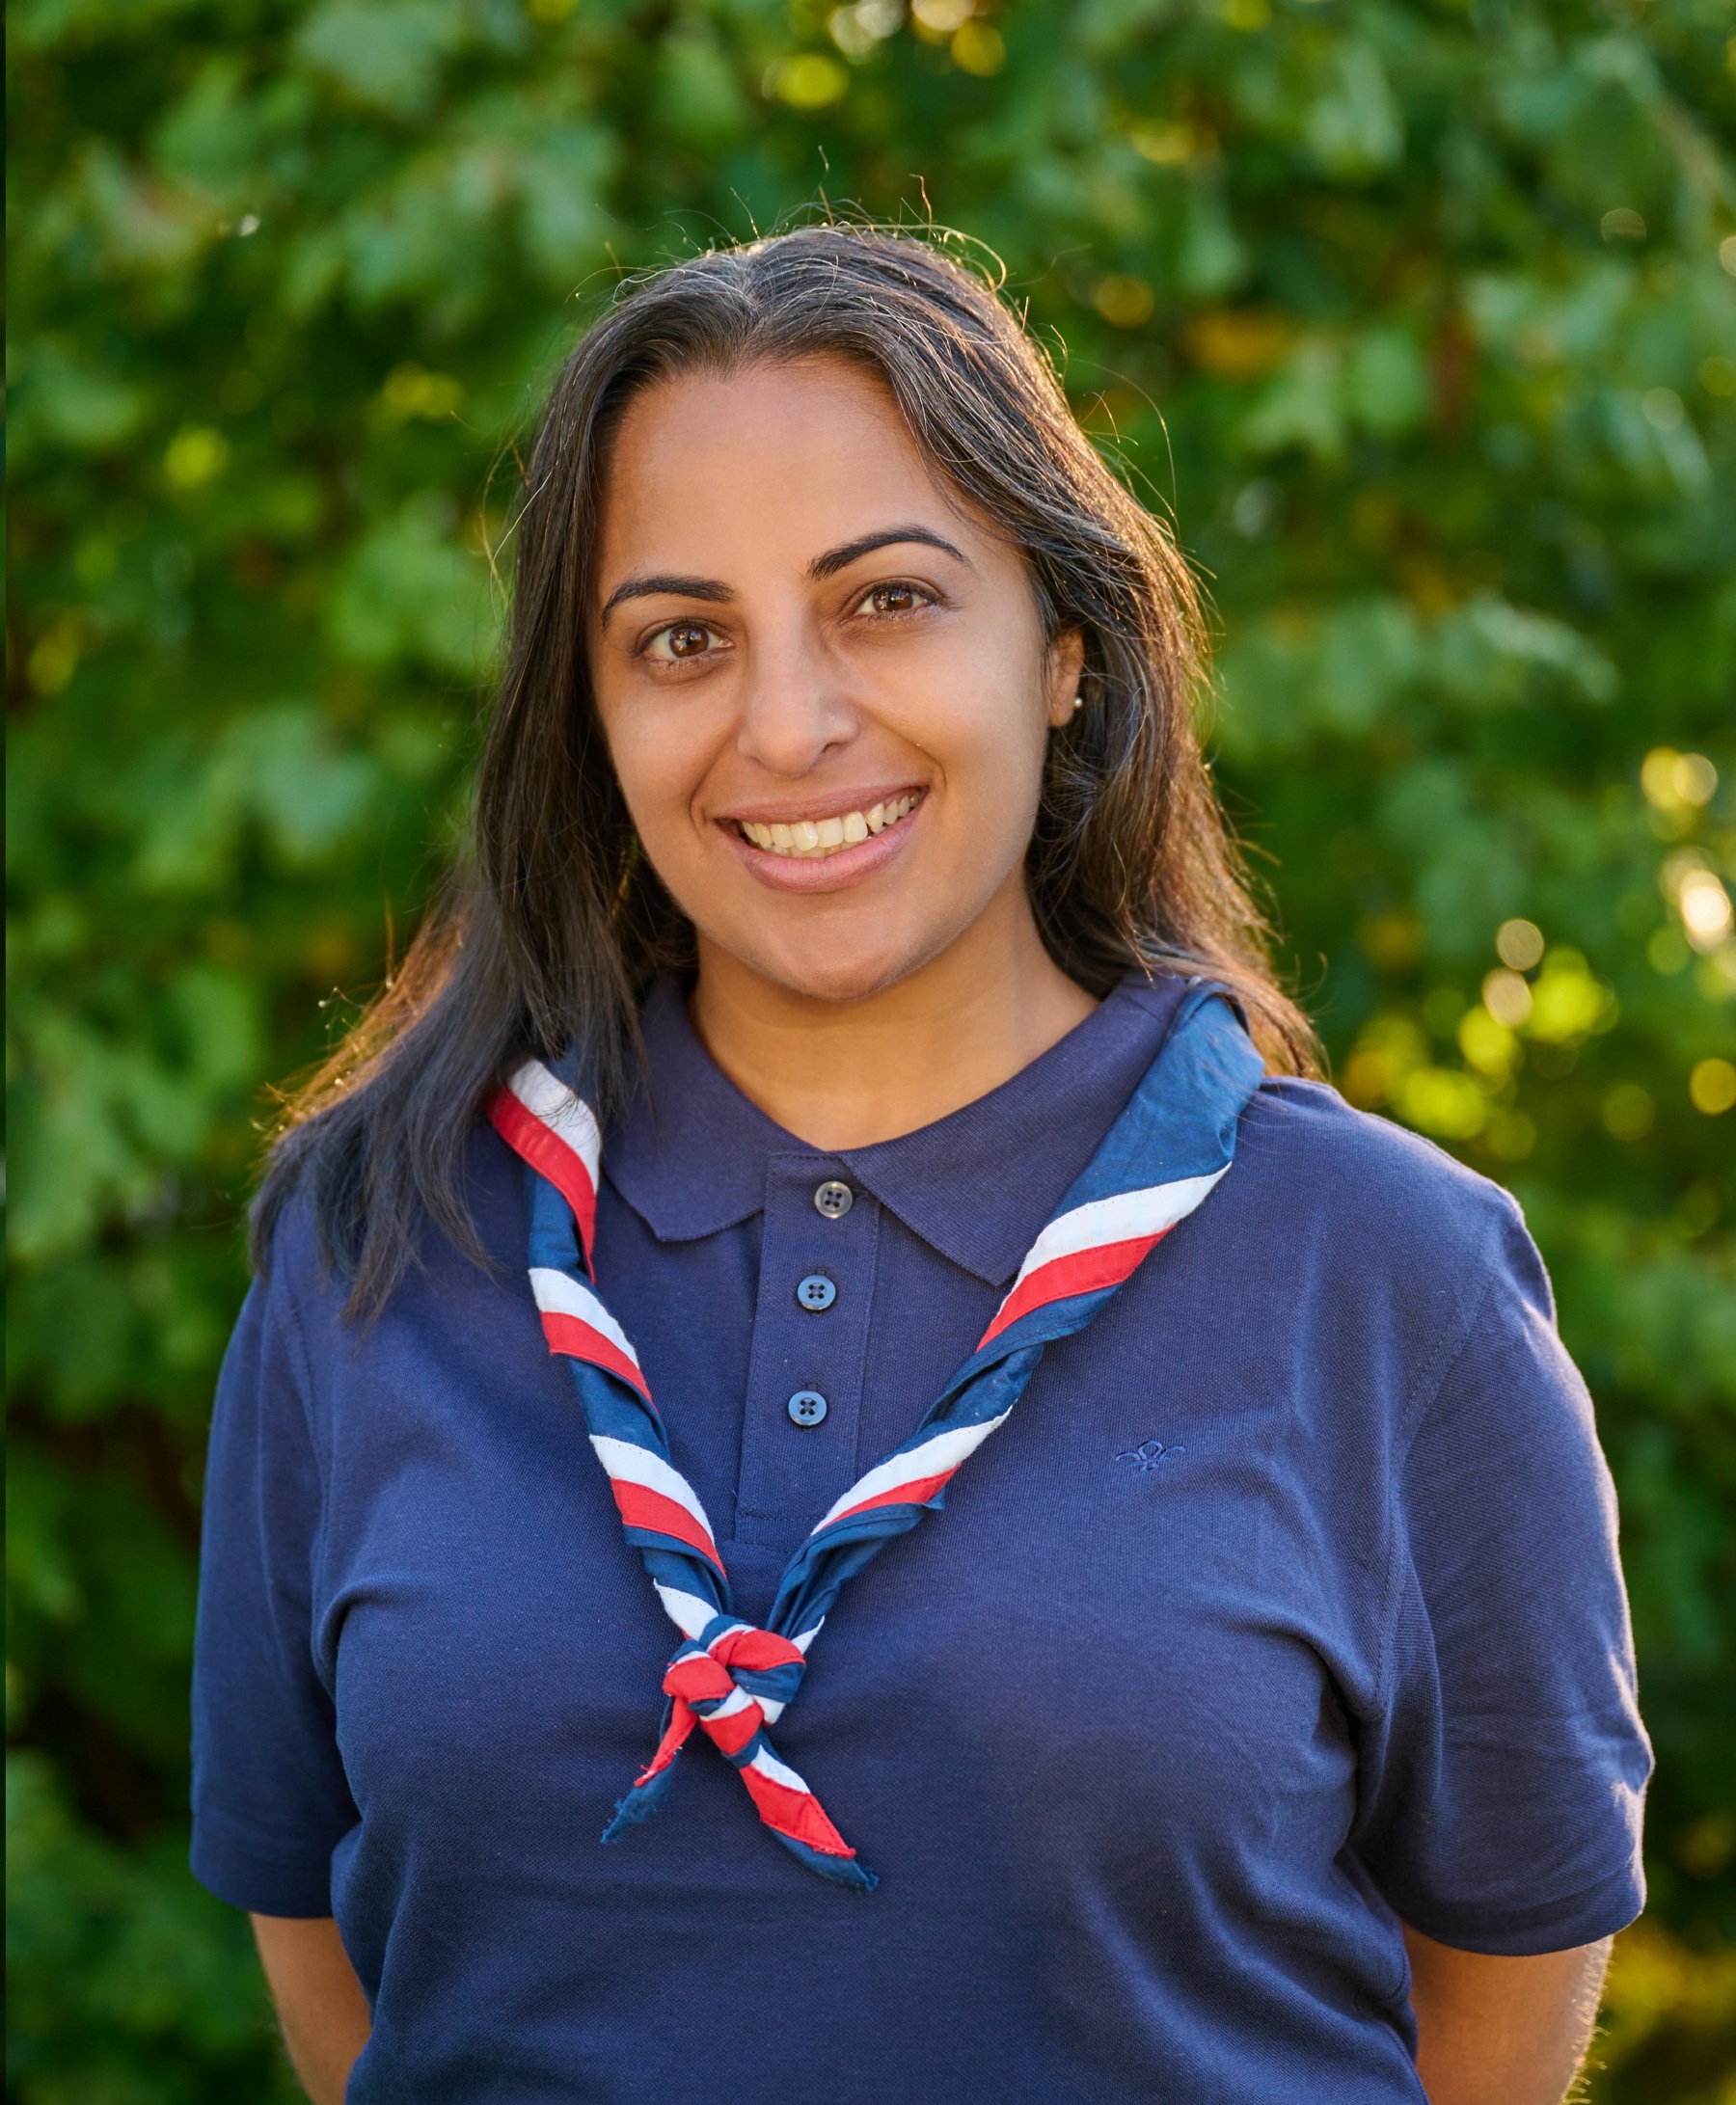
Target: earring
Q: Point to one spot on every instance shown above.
(1078, 703)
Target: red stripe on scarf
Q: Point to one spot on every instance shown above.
(730, 1734)
(794, 1813)
(550, 1156)
(1080, 1272)
(575, 1339)
(641, 1507)
(755, 1648)
(916, 1492)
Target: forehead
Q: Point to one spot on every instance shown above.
(802, 455)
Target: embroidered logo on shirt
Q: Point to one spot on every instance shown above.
(1147, 1454)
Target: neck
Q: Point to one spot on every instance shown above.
(846, 1073)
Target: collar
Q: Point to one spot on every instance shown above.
(690, 1155)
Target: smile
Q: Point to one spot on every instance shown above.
(813, 840)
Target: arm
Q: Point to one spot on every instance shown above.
(1501, 2031)
(319, 2001)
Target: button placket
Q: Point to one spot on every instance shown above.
(810, 1344)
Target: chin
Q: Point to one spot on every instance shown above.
(839, 984)
(839, 974)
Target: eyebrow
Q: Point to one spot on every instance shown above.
(840, 558)
(680, 589)
(715, 592)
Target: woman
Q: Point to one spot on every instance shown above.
(847, 1037)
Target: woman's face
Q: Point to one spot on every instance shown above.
(824, 686)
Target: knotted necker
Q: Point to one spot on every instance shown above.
(1164, 1154)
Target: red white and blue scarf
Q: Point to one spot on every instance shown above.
(1165, 1152)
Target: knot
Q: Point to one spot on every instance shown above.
(734, 1679)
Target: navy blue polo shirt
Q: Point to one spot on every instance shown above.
(1284, 1607)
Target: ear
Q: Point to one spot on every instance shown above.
(1064, 669)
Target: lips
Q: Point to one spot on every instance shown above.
(836, 860)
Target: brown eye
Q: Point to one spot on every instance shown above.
(894, 598)
(683, 642)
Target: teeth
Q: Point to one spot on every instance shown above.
(818, 838)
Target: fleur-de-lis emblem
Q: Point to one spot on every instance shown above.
(1147, 1455)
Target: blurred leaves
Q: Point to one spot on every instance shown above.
(128, 1985)
(1419, 319)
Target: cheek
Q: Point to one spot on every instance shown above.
(660, 758)
(988, 726)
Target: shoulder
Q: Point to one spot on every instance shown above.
(449, 1295)
(1309, 1127)
(1375, 1228)
(297, 1281)
(1341, 1171)
(299, 1268)
(292, 1314)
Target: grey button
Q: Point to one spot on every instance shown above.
(816, 1293)
(834, 1200)
(807, 1407)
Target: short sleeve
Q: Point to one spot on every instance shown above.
(269, 1797)
(1504, 1781)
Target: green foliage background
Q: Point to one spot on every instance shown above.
(1414, 311)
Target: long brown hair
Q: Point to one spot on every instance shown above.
(549, 939)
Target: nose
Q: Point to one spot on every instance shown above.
(794, 710)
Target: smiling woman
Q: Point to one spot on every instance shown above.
(853, 990)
